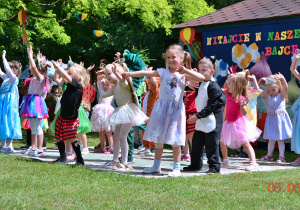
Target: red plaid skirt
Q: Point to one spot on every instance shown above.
(66, 129)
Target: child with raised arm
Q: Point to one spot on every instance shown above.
(67, 123)
(167, 120)
(33, 106)
(278, 126)
(125, 115)
(295, 142)
(9, 105)
(238, 130)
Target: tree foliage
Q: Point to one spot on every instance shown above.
(52, 27)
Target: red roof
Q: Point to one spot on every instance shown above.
(247, 10)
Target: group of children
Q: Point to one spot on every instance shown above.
(173, 113)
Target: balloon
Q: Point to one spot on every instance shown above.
(187, 35)
(98, 33)
(22, 17)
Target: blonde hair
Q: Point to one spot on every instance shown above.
(175, 47)
(240, 84)
(208, 62)
(80, 72)
(280, 87)
(123, 68)
(187, 61)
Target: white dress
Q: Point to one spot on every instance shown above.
(167, 123)
(127, 111)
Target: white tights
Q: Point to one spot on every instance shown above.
(120, 137)
(271, 146)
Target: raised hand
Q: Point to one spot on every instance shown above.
(3, 54)
(117, 58)
(90, 68)
(297, 56)
(29, 51)
(59, 62)
(251, 77)
(101, 77)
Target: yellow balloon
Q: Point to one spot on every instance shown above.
(187, 34)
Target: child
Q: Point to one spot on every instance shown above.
(209, 120)
(167, 120)
(125, 115)
(278, 126)
(9, 105)
(68, 121)
(51, 101)
(33, 106)
(238, 130)
(295, 143)
(101, 115)
(190, 110)
(84, 123)
(152, 87)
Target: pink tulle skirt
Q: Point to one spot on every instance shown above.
(235, 134)
(101, 117)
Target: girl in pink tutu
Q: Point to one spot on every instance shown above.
(238, 130)
(101, 115)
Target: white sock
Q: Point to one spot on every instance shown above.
(156, 163)
(176, 166)
(9, 142)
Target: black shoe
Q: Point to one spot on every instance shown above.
(212, 171)
(25, 147)
(61, 160)
(192, 169)
(97, 147)
(79, 163)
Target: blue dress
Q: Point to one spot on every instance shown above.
(278, 124)
(295, 143)
(9, 109)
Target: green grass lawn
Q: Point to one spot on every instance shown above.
(30, 184)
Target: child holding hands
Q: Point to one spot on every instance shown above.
(167, 120)
(210, 100)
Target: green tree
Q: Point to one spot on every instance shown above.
(52, 27)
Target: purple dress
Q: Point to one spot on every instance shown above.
(278, 124)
